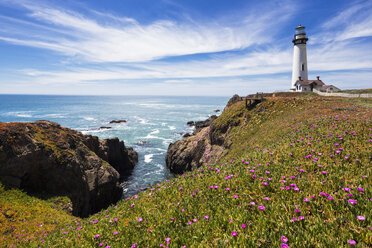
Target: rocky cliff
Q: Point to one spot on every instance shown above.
(43, 157)
(209, 143)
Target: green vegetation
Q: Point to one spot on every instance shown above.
(360, 91)
(297, 173)
(25, 219)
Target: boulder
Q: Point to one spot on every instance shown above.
(43, 157)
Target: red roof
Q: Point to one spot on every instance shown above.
(324, 87)
(308, 82)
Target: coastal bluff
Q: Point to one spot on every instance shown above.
(44, 158)
(208, 142)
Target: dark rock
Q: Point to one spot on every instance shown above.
(117, 121)
(199, 125)
(103, 127)
(190, 123)
(45, 157)
(217, 110)
(186, 135)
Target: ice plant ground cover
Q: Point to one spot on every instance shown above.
(297, 174)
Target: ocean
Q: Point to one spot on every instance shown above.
(153, 122)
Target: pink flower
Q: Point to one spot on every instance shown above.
(115, 233)
(235, 196)
(352, 242)
(306, 200)
(140, 219)
(234, 234)
(244, 226)
(206, 217)
(284, 239)
(96, 236)
(261, 208)
(359, 217)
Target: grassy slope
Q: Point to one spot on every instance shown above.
(279, 138)
(25, 219)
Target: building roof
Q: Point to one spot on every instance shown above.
(308, 82)
(324, 87)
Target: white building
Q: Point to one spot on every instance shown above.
(299, 56)
(300, 80)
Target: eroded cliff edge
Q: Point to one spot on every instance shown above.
(43, 157)
(207, 144)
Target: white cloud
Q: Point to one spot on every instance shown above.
(352, 22)
(129, 41)
(122, 39)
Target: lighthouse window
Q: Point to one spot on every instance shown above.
(303, 67)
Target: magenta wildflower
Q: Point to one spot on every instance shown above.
(359, 217)
(227, 188)
(252, 203)
(301, 217)
(306, 200)
(284, 239)
(115, 233)
(283, 245)
(360, 189)
(261, 208)
(140, 219)
(352, 242)
(234, 234)
(96, 236)
(351, 201)
(235, 196)
(244, 226)
(206, 217)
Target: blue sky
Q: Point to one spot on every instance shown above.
(178, 47)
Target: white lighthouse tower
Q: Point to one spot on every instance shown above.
(299, 56)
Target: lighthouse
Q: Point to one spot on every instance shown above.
(299, 70)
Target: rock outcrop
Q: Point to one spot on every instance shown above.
(117, 121)
(44, 157)
(207, 144)
(199, 125)
(191, 152)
